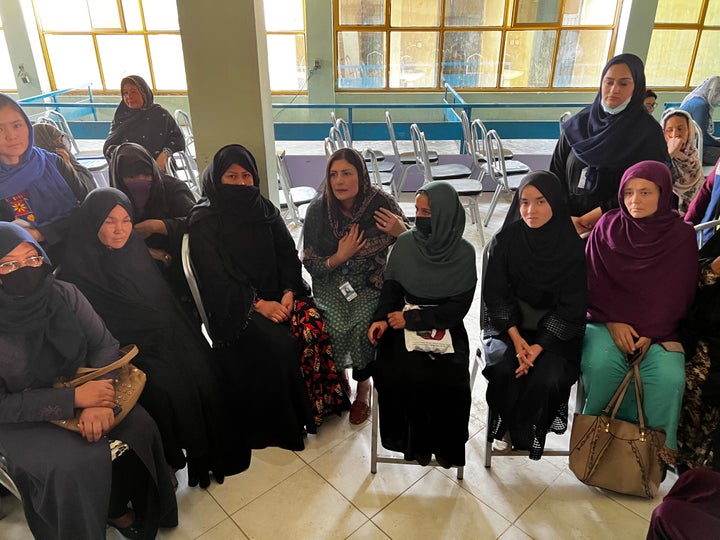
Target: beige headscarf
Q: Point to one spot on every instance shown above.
(687, 171)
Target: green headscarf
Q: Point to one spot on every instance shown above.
(441, 264)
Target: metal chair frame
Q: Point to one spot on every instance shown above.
(497, 168)
(295, 199)
(192, 282)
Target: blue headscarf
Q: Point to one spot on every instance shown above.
(48, 195)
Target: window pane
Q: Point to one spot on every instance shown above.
(667, 60)
(581, 57)
(470, 59)
(168, 62)
(595, 12)
(131, 12)
(678, 11)
(160, 15)
(7, 76)
(535, 11)
(284, 15)
(362, 12)
(474, 13)
(73, 61)
(528, 59)
(712, 15)
(413, 59)
(286, 62)
(361, 60)
(122, 56)
(68, 15)
(414, 13)
(707, 61)
(104, 14)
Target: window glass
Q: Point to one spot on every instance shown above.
(361, 59)
(73, 60)
(414, 13)
(123, 55)
(536, 11)
(67, 15)
(707, 59)
(7, 76)
(678, 11)
(470, 59)
(528, 59)
(589, 12)
(104, 14)
(712, 15)
(361, 12)
(413, 59)
(286, 61)
(581, 57)
(131, 12)
(284, 15)
(161, 15)
(667, 60)
(167, 62)
(474, 13)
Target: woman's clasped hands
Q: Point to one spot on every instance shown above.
(277, 312)
(97, 401)
(395, 320)
(525, 353)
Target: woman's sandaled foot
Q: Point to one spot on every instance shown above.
(126, 525)
(359, 412)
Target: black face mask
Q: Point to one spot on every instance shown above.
(24, 281)
(423, 224)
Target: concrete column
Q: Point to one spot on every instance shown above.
(636, 26)
(319, 35)
(226, 65)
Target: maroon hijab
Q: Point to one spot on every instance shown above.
(642, 272)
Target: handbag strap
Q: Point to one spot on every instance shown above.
(127, 353)
(639, 399)
(618, 396)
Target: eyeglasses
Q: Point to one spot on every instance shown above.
(650, 106)
(11, 266)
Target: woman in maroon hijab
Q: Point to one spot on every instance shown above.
(642, 270)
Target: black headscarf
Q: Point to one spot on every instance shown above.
(124, 285)
(42, 324)
(614, 141)
(441, 264)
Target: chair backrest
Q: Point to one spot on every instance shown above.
(194, 288)
(330, 147)
(564, 117)
(479, 141)
(58, 120)
(495, 158)
(186, 171)
(369, 155)
(391, 132)
(421, 153)
(705, 231)
(467, 144)
(285, 184)
(336, 137)
(344, 130)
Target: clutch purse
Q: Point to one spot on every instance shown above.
(429, 341)
(129, 383)
(613, 454)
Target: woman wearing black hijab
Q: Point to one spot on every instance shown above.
(603, 140)
(71, 483)
(258, 307)
(534, 303)
(110, 264)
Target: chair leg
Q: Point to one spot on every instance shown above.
(374, 432)
(460, 472)
(493, 202)
(488, 443)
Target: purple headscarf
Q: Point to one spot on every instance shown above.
(643, 271)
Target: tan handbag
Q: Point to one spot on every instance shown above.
(129, 383)
(613, 454)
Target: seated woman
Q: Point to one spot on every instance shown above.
(160, 205)
(699, 429)
(140, 120)
(706, 204)
(71, 484)
(425, 397)
(50, 138)
(39, 187)
(686, 166)
(604, 139)
(348, 231)
(250, 280)
(535, 298)
(642, 270)
(700, 104)
(690, 510)
(110, 264)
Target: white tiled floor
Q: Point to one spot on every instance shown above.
(328, 492)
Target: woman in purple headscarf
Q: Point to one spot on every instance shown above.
(642, 269)
(600, 142)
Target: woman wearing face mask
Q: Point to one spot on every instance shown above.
(633, 253)
(72, 484)
(274, 352)
(534, 302)
(686, 167)
(425, 397)
(600, 142)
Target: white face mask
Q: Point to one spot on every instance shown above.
(617, 110)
